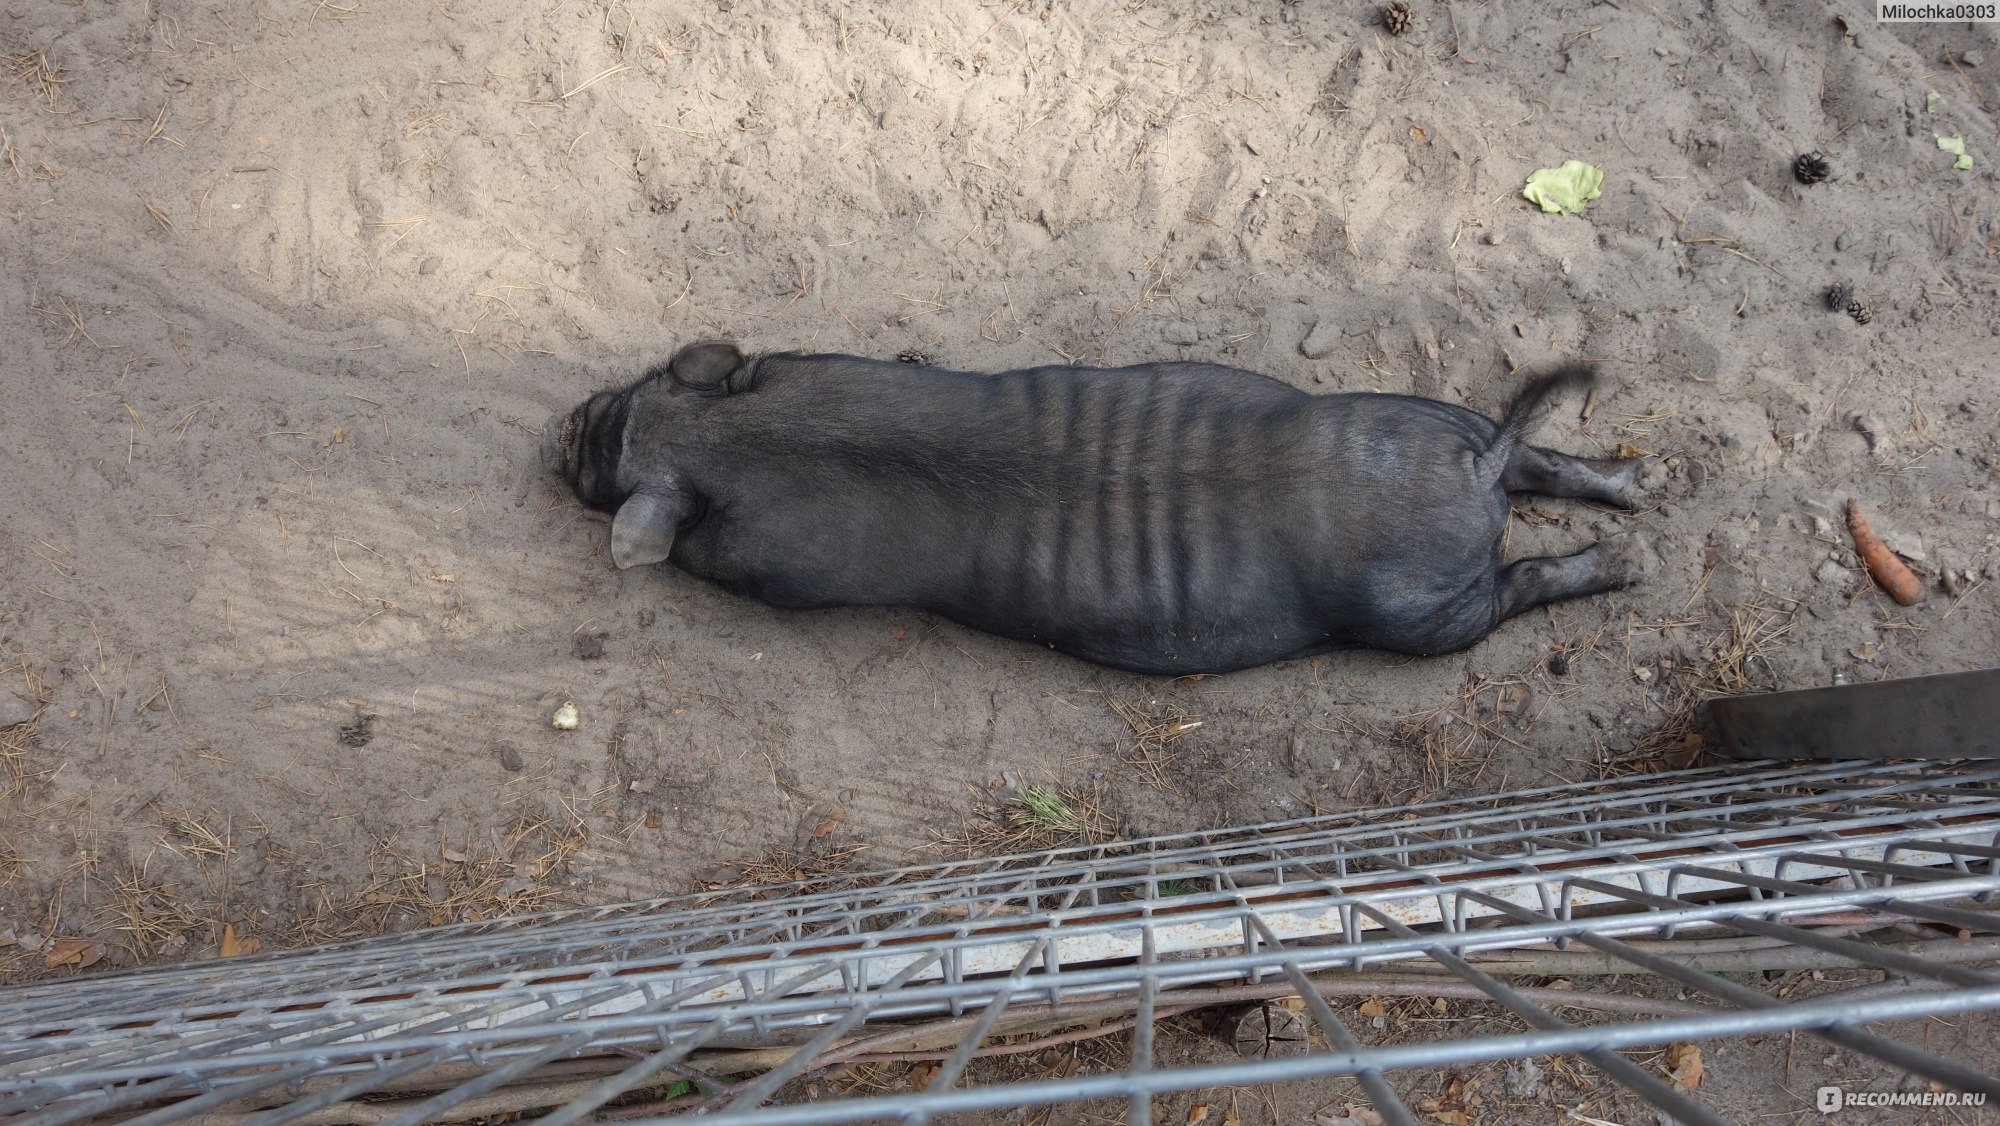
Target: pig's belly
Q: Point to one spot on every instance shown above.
(1233, 580)
(1292, 602)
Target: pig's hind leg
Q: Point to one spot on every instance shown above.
(1527, 583)
(1610, 480)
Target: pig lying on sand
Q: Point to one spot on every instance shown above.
(1166, 518)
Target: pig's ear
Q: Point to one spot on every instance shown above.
(643, 530)
(706, 367)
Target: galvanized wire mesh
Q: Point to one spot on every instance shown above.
(597, 1007)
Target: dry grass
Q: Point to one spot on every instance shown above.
(1446, 738)
(14, 743)
(1457, 739)
(14, 740)
(14, 758)
(68, 315)
(1156, 727)
(1038, 817)
(529, 867)
(155, 921)
(195, 835)
(1726, 666)
(42, 76)
(12, 154)
(817, 867)
(553, 840)
(520, 871)
(1453, 737)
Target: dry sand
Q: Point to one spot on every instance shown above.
(288, 289)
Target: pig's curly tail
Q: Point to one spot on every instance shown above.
(1526, 410)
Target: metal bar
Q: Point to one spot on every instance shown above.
(1393, 1058)
(776, 1077)
(505, 1073)
(1839, 1031)
(1386, 1101)
(1904, 1056)
(961, 1056)
(1676, 1104)
(1859, 951)
(1205, 970)
(1753, 880)
(52, 1086)
(1139, 1112)
(613, 1086)
(1901, 871)
(973, 944)
(313, 1028)
(142, 1091)
(1884, 957)
(1387, 1104)
(1950, 916)
(669, 1055)
(367, 1081)
(1955, 848)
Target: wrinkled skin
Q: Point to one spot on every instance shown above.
(1167, 518)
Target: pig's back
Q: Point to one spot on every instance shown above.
(1167, 517)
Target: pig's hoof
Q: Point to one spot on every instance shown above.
(1628, 483)
(1624, 559)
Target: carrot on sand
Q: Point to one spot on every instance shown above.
(1882, 564)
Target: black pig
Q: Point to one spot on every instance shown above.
(1167, 518)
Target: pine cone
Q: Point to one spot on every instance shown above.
(1398, 17)
(1859, 310)
(1838, 296)
(912, 356)
(1812, 168)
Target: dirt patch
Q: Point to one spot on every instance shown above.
(288, 295)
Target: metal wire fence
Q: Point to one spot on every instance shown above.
(579, 1011)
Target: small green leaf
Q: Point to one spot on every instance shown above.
(1564, 189)
(1955, 146)
(1932, 100)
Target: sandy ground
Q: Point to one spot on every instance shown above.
(288, 289)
